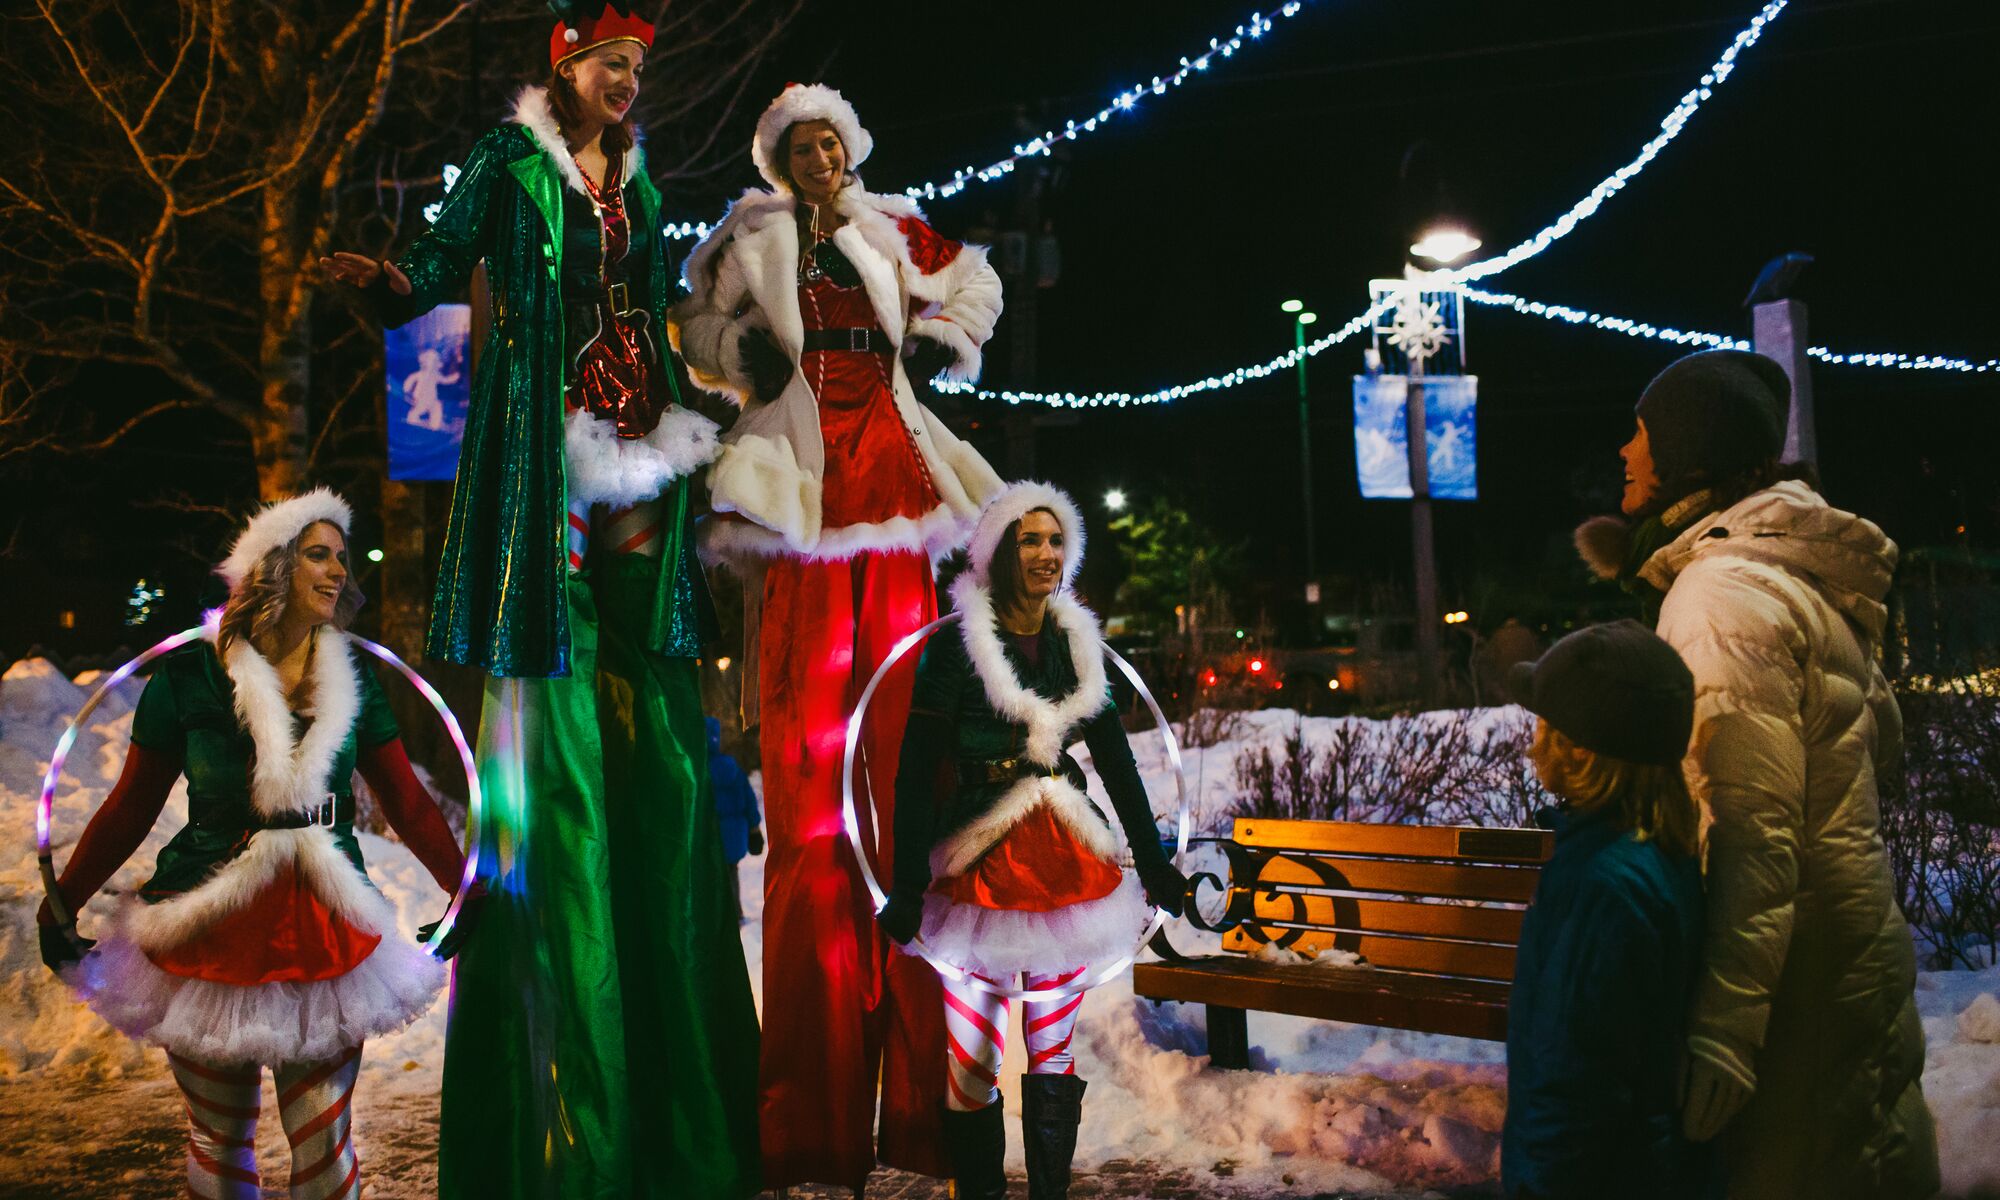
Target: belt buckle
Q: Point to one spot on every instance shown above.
(620, 297)
(857, 339)
(325, 812)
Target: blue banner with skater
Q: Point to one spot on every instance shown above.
(1382, 445)
(429, 385)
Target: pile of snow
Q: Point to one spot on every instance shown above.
(1325, 1107)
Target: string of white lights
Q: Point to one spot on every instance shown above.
(1612, 184)
(1717, 341)
(1125, 102)
(1577, 316)
(1214, 383)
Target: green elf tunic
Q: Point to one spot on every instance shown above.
(255, 942)
(603, 1039)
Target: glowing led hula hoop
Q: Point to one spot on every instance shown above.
(864, 855)
(45, 809)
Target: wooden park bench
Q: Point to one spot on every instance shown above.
(1435, 911)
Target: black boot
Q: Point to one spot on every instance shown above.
(976, 1143)
(1051, 1107)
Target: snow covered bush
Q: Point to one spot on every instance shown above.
(1941, 821)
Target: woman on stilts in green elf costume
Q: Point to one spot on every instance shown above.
(603, 1039)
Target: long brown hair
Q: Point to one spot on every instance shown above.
(1650, 800)
(567, 106)
(257, 605)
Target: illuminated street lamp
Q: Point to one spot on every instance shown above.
(1444, 246)
(1115, 500)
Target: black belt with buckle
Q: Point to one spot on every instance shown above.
(334, 810)
(865, 341)
(1007, 770)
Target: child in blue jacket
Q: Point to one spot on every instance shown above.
(1611, 946)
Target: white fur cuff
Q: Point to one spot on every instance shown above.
(967, 359)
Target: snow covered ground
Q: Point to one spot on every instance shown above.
(1326, 1107)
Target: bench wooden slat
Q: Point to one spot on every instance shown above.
(1410, 841)
(1510, 884)
(1482, 923)
(1472, 959)
(1464, 1008)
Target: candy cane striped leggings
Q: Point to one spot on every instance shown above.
(314, 1102)
(975, 1027)
(634, 529)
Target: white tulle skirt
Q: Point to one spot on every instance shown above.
(268, 1023)
(1002, 943)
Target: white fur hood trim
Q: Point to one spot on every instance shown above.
(603, 468)
(532, 113)
(1049, 722)
(277, 525)
(807, 102)
(956, 853)
(1014, 502)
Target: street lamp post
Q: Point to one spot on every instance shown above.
(1444, 247)
(1301, 319)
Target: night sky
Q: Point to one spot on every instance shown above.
(1855, 131)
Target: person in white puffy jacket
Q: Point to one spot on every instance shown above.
(1804, 1048)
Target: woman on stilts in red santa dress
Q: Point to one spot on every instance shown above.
(814, 304)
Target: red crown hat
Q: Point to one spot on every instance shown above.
(582, 34)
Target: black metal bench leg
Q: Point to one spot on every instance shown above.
(1228, 1038)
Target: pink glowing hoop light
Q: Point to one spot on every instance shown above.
(45, 808)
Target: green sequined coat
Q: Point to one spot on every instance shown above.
(500, 603)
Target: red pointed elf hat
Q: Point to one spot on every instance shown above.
(582, 33)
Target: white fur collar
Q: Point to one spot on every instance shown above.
(1049, 722)
(532, 113)
(288, 775)
(874, 214)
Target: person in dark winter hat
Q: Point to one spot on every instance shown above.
(1804, 1049)
(1611, 946)
(1709, 430)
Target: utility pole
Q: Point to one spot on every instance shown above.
(1423, 547)
(1301, 319)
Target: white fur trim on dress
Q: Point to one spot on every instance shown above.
(958, 851)
(935, 534)
(603, 468)
(1049, 722)
(1003, 943)
(1015, 501)
(532, 113)
(807, 102)
(268, 1023)
(278, 525)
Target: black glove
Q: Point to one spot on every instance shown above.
(901, 917)
(468, 916)
(924, 358)
(1166, 887)
(770, 369)
(756, 840)
(61, 946)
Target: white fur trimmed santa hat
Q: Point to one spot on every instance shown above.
(806, 102)
(1015, 501)
(277, 525)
